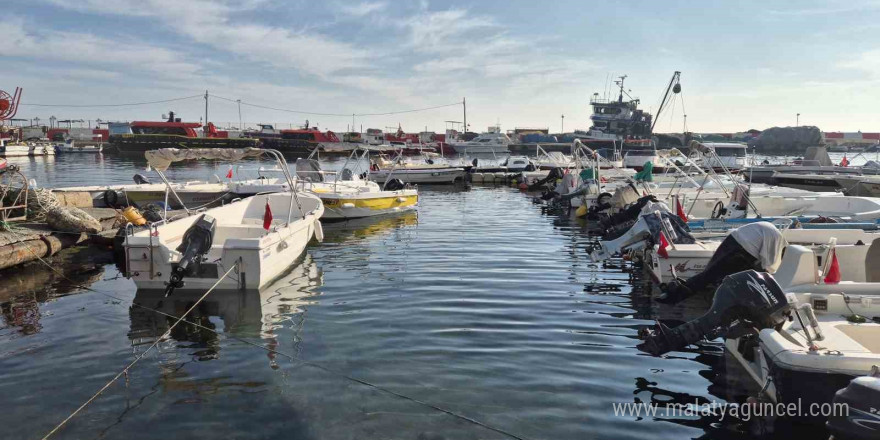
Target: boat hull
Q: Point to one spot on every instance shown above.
(344, 207)
(425, 176)
(137, 144)
(262, 256)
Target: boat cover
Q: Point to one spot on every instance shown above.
(309, 169)
(162, 158)
(763, 241)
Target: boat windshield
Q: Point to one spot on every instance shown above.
(730, 152)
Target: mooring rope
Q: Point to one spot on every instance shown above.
(139, 357)
(253, 344)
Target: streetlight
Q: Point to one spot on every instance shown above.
(563, 124)
(797, 120)
(239, 113)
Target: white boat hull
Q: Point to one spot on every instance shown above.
(422, 176)
(262, 256)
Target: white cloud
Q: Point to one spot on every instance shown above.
(86, 49)
(362, 9)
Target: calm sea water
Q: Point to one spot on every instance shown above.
(478, 317)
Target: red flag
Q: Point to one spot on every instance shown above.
(833, 275)
(229, 173)
(664, 243)
(267, 217)
(680, 210)
(844, 162)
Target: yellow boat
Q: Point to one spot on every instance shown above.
(347, 195)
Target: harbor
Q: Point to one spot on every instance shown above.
(428, 221)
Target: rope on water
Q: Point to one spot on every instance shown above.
(139, 357)
(253, 344)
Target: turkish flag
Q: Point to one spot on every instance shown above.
(664, 243)
(267, 217)
(229, 173)
(680, 210)
(833, 275)
(844, 162)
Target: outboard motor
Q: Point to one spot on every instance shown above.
(394, 185)
(744, 301)
(554, 174)
(630, 214)
(196, 243)
(141, 179)
(862, 420)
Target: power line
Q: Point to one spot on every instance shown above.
(347, 115)
(115, 105)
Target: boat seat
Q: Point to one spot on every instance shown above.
(867, 336)
(798, 267)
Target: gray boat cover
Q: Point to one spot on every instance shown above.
(817, 156)
(162, 158)
(309, 169)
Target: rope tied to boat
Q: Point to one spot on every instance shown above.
(181, 318)
(140, 356)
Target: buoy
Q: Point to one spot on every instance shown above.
(523, 186)
(581, 211)
(133, 216)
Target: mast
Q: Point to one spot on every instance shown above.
(464, 107)
(673, 87)
(206, 107)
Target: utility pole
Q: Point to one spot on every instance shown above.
(239, 114)
(464, 107)
(206, 107)
(563, 125)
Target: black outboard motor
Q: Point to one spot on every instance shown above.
(744, 301)
(141, 179)
(196, 243)
(861, 421)
(555, 173)
(394, 185)
(730, 257)
(630, 214)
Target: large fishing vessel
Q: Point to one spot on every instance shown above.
(619, 125)
(172, 133)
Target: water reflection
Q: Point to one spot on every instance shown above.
(239, 314)
(363, 228)
(23, 289)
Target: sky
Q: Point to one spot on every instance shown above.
(744, 64)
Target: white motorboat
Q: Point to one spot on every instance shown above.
(257, 238)
(491, 142)
(346, 195)
(803, 350)
(427, 171)
(832, 337)
(637, 157)
(726, 156)
(25, 150)
(687, 260)
(868, 186)
(70, 146)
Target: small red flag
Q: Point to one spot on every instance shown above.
(680, 210)
(664, 243)
(833, 275)
(844, 162)
(229, 173)
(267, 217)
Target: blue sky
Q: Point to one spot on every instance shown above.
(744, 64)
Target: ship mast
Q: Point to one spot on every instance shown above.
(673, 87)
